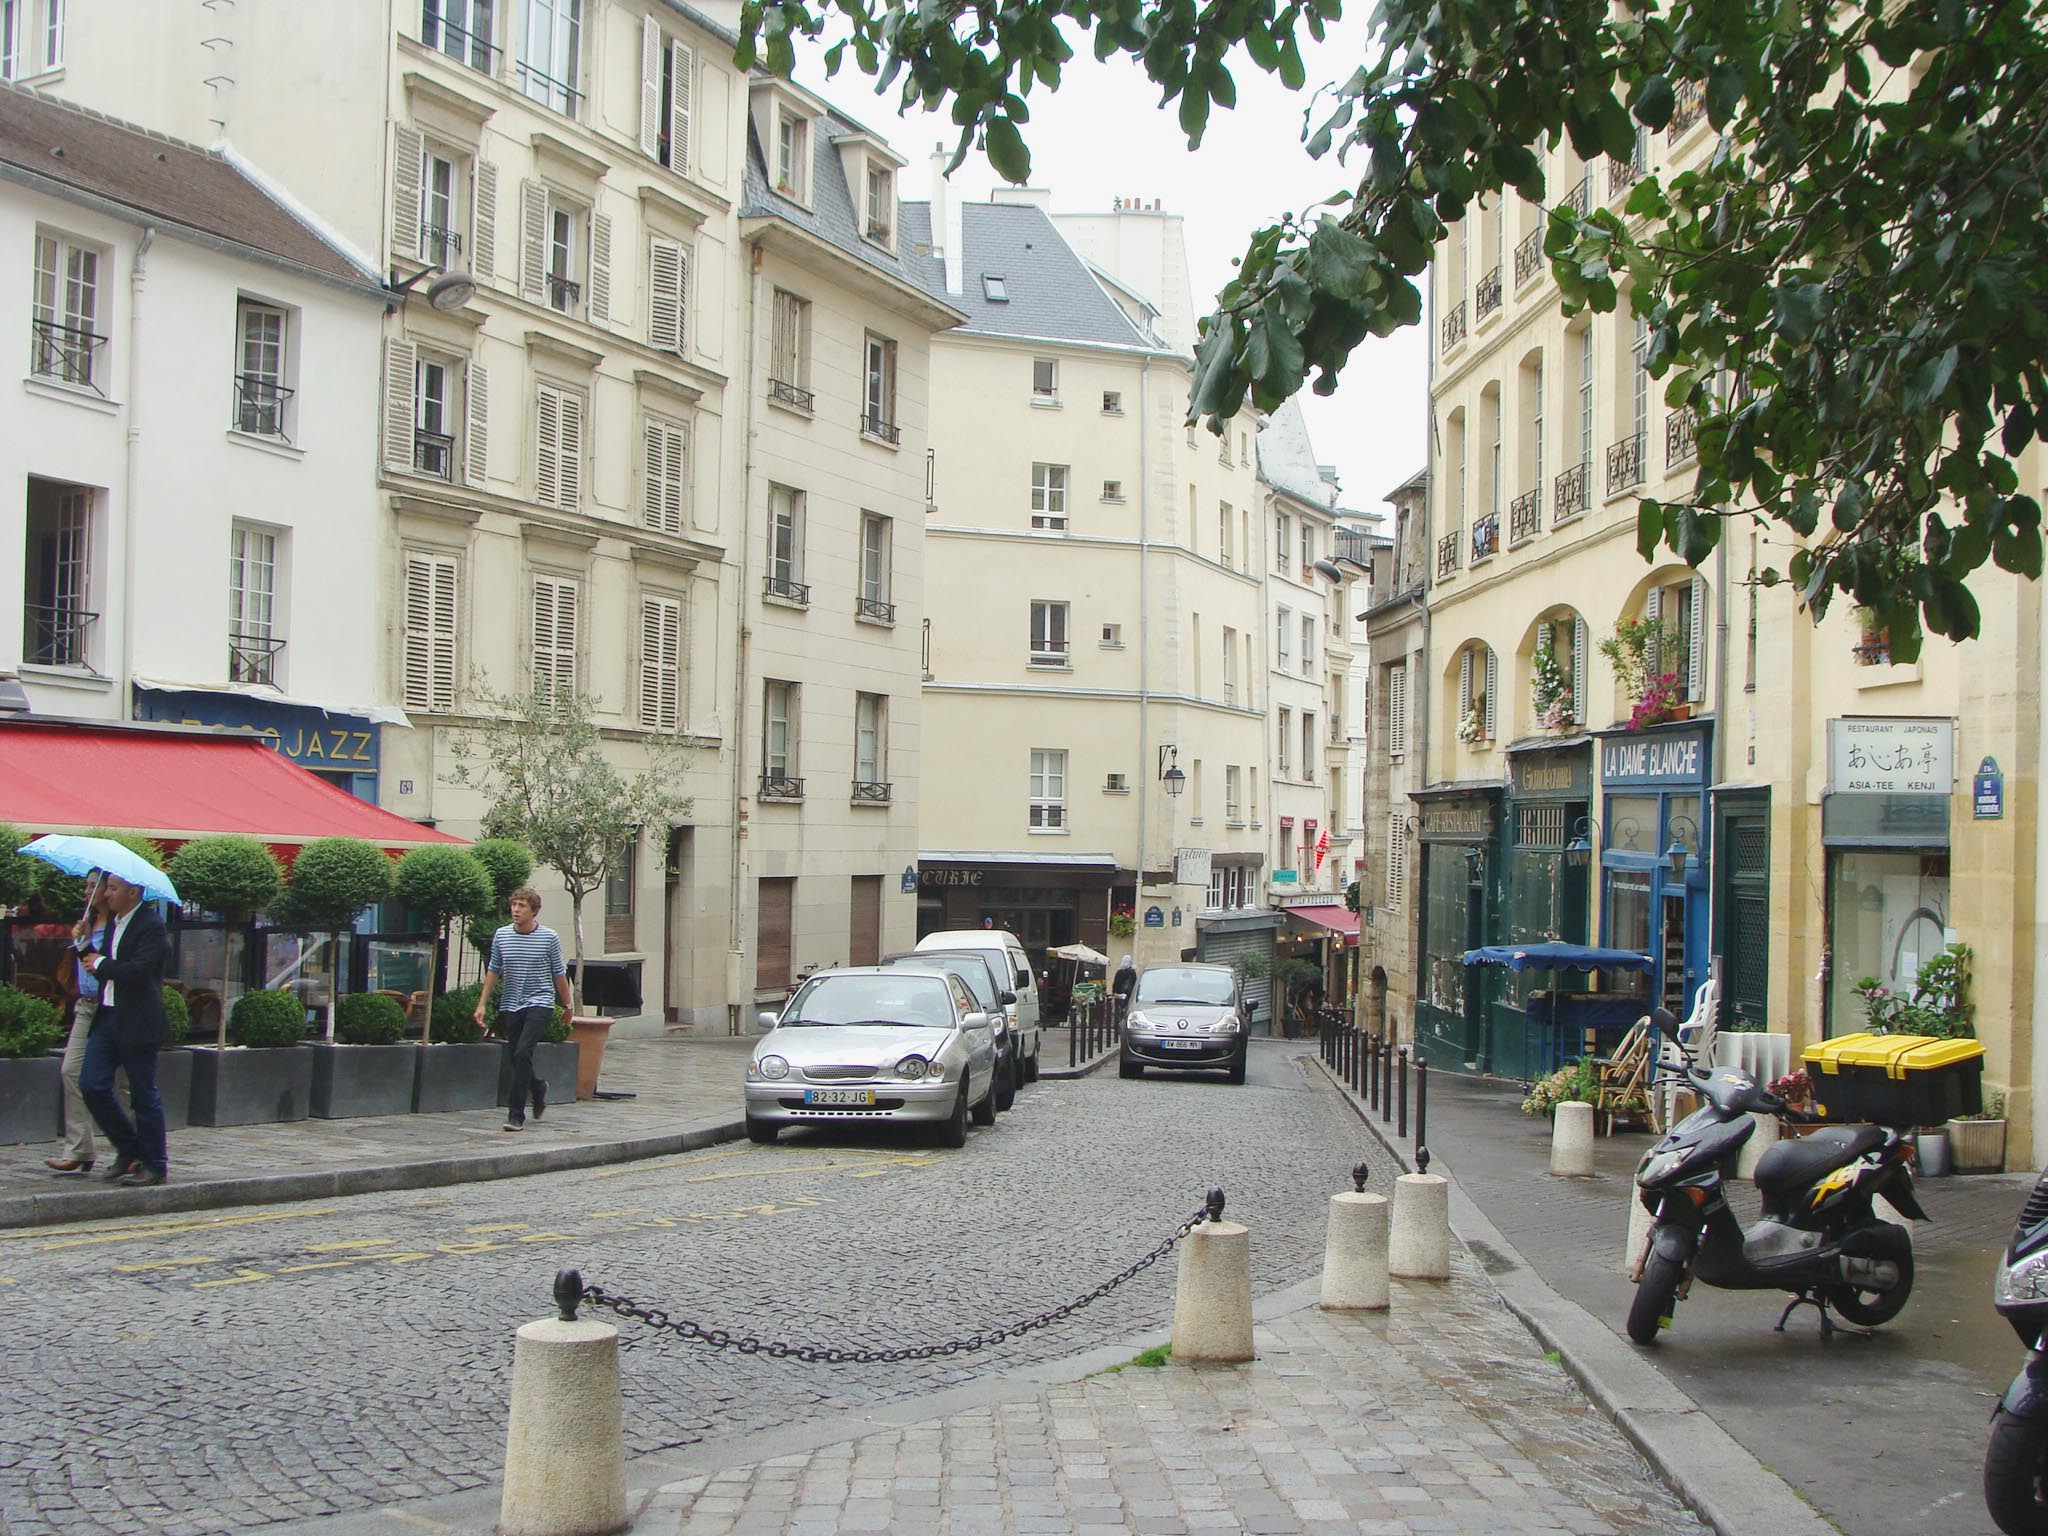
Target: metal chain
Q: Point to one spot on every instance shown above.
(825, 1354)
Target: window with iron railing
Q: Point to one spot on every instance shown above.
(1486, 297)
(1571, 492)
(64, 313)
(1528, 256)
(262, 398)
(1447, 553)
(1525, 516)
(1680, 446)
(462, 30)
(253, 641)
(1486, 537)
(550, 53)
(1454, 325)
(1689, 105)
(1625, 463)
(789, 395)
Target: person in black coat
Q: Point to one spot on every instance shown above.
(126, 1033)
(1125, 981)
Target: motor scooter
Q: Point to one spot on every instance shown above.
(1818, 1237)
(2016, 1461)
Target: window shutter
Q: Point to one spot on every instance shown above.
(1492, 689)
(483, 234)
(683, 66)
(407, 146)
(401, 364)
(533, 241)
(1397, 710)
(661, 625)
(650, 87)
(1464, 684)
(601, 268)
(565, 636)
(572, 453)
(476, 458)
(1696, 644)
(664, 295)
(1579, 711)
(429, 654)
(1653, 615)
(547, 447)
(663, 444)
(543, 638)
(1397, 860)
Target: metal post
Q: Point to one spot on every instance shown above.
(1357, 1078)
(1073, 1042)
(1386, 1082)
(1372, 1076)
(1401, 1091)
(1421, 1109)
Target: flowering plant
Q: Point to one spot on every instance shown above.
(1123, 922)
(1576, 1082)
(1938, 1005)
(1659, 702)
(1472, 729)
(1795, 1088)
(1550, 690)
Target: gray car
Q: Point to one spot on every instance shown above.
(875, 1043)
(1186, 1017)
(977, 969)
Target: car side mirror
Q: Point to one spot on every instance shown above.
(975, 1021)
(763, 1022)
(1251, 1006)
(1008, 999)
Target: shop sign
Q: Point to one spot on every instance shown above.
(1462, 821)
(1560, 775)
(1891, 757)
(1988, 795)
(1155, 917)
(1626, 761)
(1191, 867)
(949, 877)
(312, 738)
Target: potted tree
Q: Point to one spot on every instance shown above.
(174, 1062)
(358, 1072)
(507, 862)
(266, 1077)
(367, 1067)
(456, 1069)
(233, 877)
(542, 766)
(31, 1091)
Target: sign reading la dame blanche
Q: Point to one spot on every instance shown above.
(1678, 758)
(1891, 756)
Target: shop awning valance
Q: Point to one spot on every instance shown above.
(1333, 918)
(1553, 956)
(178, 785)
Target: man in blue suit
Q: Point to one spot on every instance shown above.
(126, 1033)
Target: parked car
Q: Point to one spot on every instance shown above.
(1008, 951)
(1186, 1017)
(984, 977)
(875, 1043)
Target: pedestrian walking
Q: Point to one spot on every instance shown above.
(126, 1031)
(1122, 985)
(526, 967)
(81, 1151)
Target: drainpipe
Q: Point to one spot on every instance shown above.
(1721, 724)
(1145, 752)
(136, 278)
(742, 645)
(1423, 693)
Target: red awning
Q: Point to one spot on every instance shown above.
(176, 785)
(1336, 918)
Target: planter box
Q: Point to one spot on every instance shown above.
(1976, 1146)
(451, 1077)
(173, 1086)
(250, 1087)
(351, 1080)
(31, 1098)
(554, 1064)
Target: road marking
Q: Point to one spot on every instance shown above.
(360, 1242)
(865, 1170)
(293, 1269)
(240, 1277)
(664, 1163)
(92, 1236)
(501, 1226)
(139, 1269)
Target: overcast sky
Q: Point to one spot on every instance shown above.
(1103, 135)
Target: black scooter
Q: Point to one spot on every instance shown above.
(1818, 1237)
(2016, 1462)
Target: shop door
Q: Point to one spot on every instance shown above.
(1746, 939)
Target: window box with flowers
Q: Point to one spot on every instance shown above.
(1550, 690)
(1123, 922)
(1637, 650)
(1472, 728)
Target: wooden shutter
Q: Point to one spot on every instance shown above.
(429, 644)
(683, 71)
(1464, 684)
(864, 925)
(1653, 615)
(1397, 709)
(401, 373)
(661, 646)
(774, 908)
(533, 241)
(1696, 644)
(547, 446)
(554, 638)
(572, 453)
(665, 329)
(407, 146)
(1579, 710)
(476, 459)
(483, 233)
(1397, 860)
(600, 269)
(663, 443)
(650, 87)
(1492, 690)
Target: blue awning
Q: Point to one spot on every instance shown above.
(1554, 956)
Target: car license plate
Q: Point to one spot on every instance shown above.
(860, 1096)
(1183, 1045)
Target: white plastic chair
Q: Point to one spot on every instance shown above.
(1695, 1040)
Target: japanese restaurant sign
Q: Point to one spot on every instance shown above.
(1892, 756)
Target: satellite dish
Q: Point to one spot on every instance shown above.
(451, 290)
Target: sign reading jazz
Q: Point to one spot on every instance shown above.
(1673, 758)
(1894, 756)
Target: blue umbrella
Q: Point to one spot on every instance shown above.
(80, 855)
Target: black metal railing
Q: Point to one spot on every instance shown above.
(1049, 652)
(459, 43)
(781, 786)
(1579, 199)
(1354, 545)
(870, 791)
(253, 658)
(55, 636)
(1525, 516)
(1486, 537)
(1623, 174)
(1689, 105)
(1528, 256)
(439, 246)
(1486, 297)
(1625, 463)
(558, 94)
(1872, 651)
(1454, 325)
(783, 587)
(874, 608)
(433, 453)
(1571, 491)
(563, 292)
(67, 353)
(260, 406)
(876, 426)
(1680, 444)
(1044, 814)
(1447, 552)
(784, 393)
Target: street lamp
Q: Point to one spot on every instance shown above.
(1579, 851)
(1169, 770)
(449, 290)
(1680, 850)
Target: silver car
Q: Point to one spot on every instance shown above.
(879, 1043)
(1185, 1016)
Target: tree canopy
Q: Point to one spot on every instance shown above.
(1844, 289)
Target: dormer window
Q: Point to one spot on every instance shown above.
(881, 209)
(994, 289)
(792, 154)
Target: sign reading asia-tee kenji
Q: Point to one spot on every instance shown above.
(1678, 758)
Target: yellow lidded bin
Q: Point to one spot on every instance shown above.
(1896, 1079)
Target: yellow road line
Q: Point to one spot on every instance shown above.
(665, 1163)
(78, 1237)
(501, 1226)
(293, 1269)
(360, 1242)
(137, 1269)
(241, 1277)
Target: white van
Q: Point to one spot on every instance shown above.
(1024, 1012)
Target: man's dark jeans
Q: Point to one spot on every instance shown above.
(522, 1029)
(142, 1139)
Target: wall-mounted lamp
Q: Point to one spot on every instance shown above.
(1578, 852)
(449, 290)
(1169, 771)
(1333, 569)
(1681, 850)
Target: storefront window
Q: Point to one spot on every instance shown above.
(1632, 825)
(197, 970)
(1889, 912)
(1444, 916)
(1628, 926)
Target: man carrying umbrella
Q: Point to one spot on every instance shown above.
(126, 1033)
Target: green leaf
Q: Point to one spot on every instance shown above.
(1006, 151)
(1930, 379)
(1697, 534)
(1798, 308)
(1649, 528)
(1654, 103)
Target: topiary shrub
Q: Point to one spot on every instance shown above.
(509, 863)
(233, 876)
(18, 873)
(28, 1025)
(177, 1017)
(558, 1030)
(455, 1016)
(365, 1018)
(443, 883)
(267, 1020)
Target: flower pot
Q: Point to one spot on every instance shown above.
(1931, 1150)
(452, 1077)
(555, 1063)
(362, 1080)
(31, 1098)
(1977, 1146)
(589, 1037)
(242, 1086)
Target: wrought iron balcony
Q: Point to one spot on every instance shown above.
(1486, 537)
(253, 658)
(1689, 105)
(1354, 545)
(563, 292)
(1623, 174)
(1625, 463)
(444, 36)
(1579, 200)
(439, 246)
(433, 453)
(1571, 491)
(875, 426)
(1486, 299)
(54, 635)
(1528, 256)
(1447, 551)
(260, 406)
(789, 591)
(1454, 325)
(1525, 517)
(780, 786)
(1680, 444)
(873, 608)
(68, 354)
(870, 791)
(783, 393)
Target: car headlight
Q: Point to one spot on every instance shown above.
(1141, 1023)
(2016, 1285)
(913, 1068)
(1229, 1026)
(774, 1068)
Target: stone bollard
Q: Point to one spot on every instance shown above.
(1571, 1141)
(1355, 1255)
(1640, 1221)
(1419, 1237)
(1761, 1140)
(565, 1471)
(1212, 1298)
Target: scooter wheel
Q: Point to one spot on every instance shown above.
(2015, 1468)
(1656, 1298)
(1868, 1309)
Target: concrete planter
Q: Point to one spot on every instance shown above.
(31, 1098)
(555, 1064)
(588, 1036)
(174, 1084)
(452, 1077)
(1977, 1146)
(351, 1080)
(250, 1086)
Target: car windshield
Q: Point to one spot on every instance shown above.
(917, 1002)
(1186, 984)
(967, 967)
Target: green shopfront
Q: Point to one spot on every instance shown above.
(1460, 837)
(1549, 802)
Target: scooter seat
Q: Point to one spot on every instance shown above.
(1790, 1166)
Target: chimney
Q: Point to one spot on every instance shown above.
(946, 235)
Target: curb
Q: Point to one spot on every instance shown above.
(1055, 1074)
(72, 1205)
(1699, 1460)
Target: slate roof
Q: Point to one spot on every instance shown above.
(1054, 296)
(1287, 459)
(161, 180)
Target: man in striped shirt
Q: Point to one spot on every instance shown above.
(526, 968)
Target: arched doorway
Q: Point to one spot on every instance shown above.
(1376, 1002)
